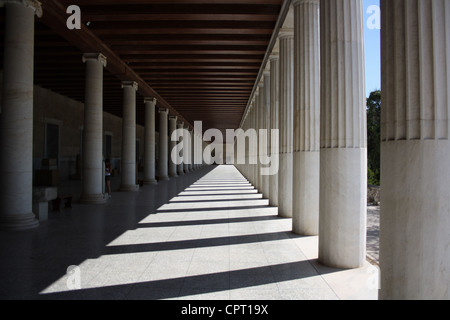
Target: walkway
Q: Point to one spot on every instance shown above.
(206, 235)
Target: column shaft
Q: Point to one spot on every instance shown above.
(305, 219)
(274, 123)
(265, 138)
(16, 148)
(286, 124)
(343, 158)
(186, 149)
(129, 138)
(191, 154)
(150, 142)
(415, 150)
(93, 174)
(163, 173)
(172, 145)
(180, 126)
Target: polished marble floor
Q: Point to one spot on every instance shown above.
(208, 235)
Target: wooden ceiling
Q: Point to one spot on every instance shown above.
(200, 58)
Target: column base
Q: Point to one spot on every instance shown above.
(173, 175)
(18, 222)
(129, 188)
(181, 173)
(93, 199)
(150, 182)
(285, 183)
(166, 178)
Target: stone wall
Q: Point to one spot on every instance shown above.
(68, 114)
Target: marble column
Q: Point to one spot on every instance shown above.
(265, 138)
(415, 150)
(172, 145)
(163, 172)
(93, 176)
(198, 151)
(16, 126)
(257, 113)
(286, 110)
(186, 149)
(259, 126)
(129, 137)
(343, 153)
(150, 142)
(254, 148)
(191, 154)
(180, 126)
(274, 122)
(305, 218)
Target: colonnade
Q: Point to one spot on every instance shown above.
(17, 126)
(317, 102)
(312, 91)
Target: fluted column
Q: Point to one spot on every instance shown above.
(198, 150)
(191, 154)
(265, 138)
(286, 122)
(163, 172)
(93, 174)
(16, 127)
(415, 150)
(305, 218)
(150, 141)
(180, 167)
(343, 158)
(186, 149)
(274, 122)
(254, 157)
(172, 145)
(129, 137)
(259, 121)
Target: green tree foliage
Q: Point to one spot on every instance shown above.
(374, 136)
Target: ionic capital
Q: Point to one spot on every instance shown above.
(274, 56)
(95, 56)
(286, 33)
(130, 84)
(297, 2)
(151, 100)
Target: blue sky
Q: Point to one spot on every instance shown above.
(372, 47)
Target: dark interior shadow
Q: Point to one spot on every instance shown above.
(160, 211)
(207, 222)
(34, 259)
(216, 194)
(173, 201)
(231, 189)
(196, 243)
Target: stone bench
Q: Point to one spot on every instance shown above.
(41, 197)
(67, 199)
